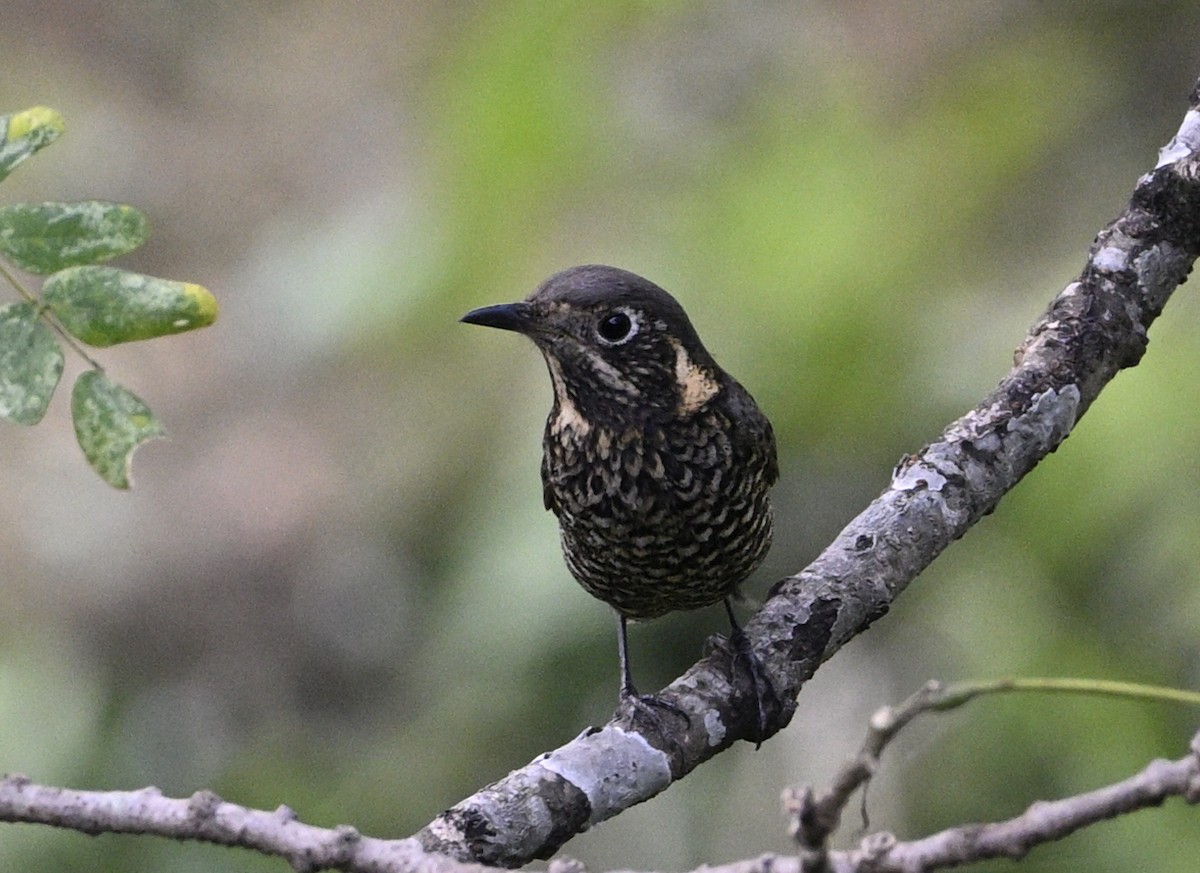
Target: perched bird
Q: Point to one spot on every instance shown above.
(656, 461)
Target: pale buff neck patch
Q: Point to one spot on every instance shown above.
(696, 386)
(569, 417)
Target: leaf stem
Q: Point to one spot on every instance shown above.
(45, 315)
(954, 695)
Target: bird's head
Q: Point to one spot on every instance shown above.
(621, 351)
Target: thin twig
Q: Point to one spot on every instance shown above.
(814, 818)
(46, 316)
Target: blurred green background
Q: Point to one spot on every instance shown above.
(335, 586)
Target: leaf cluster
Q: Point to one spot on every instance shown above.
(82, 300)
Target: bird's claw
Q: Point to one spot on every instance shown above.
(648, 708)
(738, 644)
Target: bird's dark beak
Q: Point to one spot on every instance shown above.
(506, 316)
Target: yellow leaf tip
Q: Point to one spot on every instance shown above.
(22, 123)
(206, 303)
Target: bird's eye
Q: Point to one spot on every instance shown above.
(616, 327)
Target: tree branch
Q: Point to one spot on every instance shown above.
(1095, 327)
(207, 818)
(814, 818)
(1042, 822)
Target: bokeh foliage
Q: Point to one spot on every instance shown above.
(336, 587)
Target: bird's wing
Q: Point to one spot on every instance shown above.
(547, 492)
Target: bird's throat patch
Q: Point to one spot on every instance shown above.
(569, 417)
(696, 386)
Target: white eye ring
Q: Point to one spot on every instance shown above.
(617, 327)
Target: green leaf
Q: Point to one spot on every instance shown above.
(104, 305)
(26, 132)
(44, 237)
(31, 363)
(110, 423)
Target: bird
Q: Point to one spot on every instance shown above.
(656, 462)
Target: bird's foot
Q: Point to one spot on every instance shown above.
(764, 692)
(649, 709)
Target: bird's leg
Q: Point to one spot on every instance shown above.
(627, 689)
(740, 645)
(645, 704)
